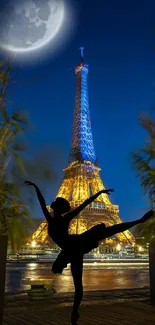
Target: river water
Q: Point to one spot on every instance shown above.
(95, 277)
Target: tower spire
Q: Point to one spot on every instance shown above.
(82, 147)
(81, 50)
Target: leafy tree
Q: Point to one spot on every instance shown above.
(12, 209)
(144, 159)
(143, 162)
(145, 232)
(15, 166)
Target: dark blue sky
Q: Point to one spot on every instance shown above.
(118, 40)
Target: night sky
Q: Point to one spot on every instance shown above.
(119, 41)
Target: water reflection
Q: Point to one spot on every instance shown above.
(110, 277)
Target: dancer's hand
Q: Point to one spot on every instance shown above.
(29, 183)
(108, 191)
(146, 216)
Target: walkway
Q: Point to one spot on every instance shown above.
(120, 308)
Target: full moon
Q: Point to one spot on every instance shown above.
(29, 25)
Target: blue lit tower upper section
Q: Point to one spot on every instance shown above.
(82, 147)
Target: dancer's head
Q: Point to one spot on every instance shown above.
(60, 205)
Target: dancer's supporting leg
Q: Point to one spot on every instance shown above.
(77, 269)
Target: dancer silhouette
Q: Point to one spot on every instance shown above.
(75, 246)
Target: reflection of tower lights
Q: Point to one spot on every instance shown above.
(33, 244)
(118, 247)
(140, 248)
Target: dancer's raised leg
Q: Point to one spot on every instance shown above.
(106, 232)
(91, 238)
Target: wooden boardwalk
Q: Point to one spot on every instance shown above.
(92, 313)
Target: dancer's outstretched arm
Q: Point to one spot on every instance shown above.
(41, 200)
(110, 231)
(75, 212)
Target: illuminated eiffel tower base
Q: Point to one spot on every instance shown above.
(82, 175)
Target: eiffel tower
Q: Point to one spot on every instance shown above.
(82, 174)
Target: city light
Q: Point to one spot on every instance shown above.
(33, 244)
(118, 247)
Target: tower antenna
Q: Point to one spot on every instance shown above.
(81, 50)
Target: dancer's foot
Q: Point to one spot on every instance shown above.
(56, 268)
(147, 216)
(60, 263)
(74, 317)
